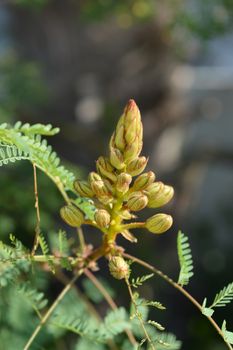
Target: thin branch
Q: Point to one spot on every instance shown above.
(37, 228)
(81, 239)
(181, 289)
(138, 315)
(51, 309)
(109, 300)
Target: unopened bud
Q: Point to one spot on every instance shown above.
(123, 182)
(137, 166)
(72, 215)
(105, 169)
(119, 135)
(119, 268)
(116, 158)
(94, 177)
(133, 150)
(143, 181)
(160, 198)
(132, 122)
(159, 223)
(126, 215)
(137, 201)
(83, 188)
(154, 189)
(99, 188)
(129, 236)
(102, 218)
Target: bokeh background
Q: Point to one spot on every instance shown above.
(75, 64)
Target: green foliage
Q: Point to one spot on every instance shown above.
(14, 261)
(225, 296)
(185, 259)
(167, 341)
(228, 336)
(221, 299)
(114, 323)
(32, 296)
(23, 141)
(140, 280)
(93, 293)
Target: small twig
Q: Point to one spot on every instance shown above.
(109, 300)
(181, 289)
(138, 315)
(51, 309)
(81, 239)
(37, 228)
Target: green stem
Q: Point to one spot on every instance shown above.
(133, 225)
(37, 228)
(81, 239)
(181, 289)
(57, 182)
(138, 315)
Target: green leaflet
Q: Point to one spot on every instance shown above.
(24, 142)
(185, 259)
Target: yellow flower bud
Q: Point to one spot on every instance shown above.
(105, 169)
(116, 158)
(83, 188)
(102, 218)
(123, 182)
(99, 188)
(159, 223)
(137, 201)
(119, 139)
(126, 215)
(72, 215)
(119, 268)
(133, 150)
(132, 122)
(162, 197)
(94, 177)
(137, 166)
(143, 181)
(129, 236)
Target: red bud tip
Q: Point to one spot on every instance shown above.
(130, 105)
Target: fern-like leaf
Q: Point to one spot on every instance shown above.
(185, 259)
(25, 142)
(32, 296)
(114, 323)
(137, 282)
(45, 250)
(225, 296)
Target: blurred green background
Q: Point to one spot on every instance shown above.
(75, 64)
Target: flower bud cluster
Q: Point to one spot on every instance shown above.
(111, 187)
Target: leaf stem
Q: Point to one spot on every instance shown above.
(138, 314)
(37, 228)
(181, 289)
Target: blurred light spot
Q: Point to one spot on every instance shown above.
(214, 261)
(183, 77)
(220, 14)
(211, 107)
(124, 20)
(168, 149)
(141, 9)
(89, 109)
